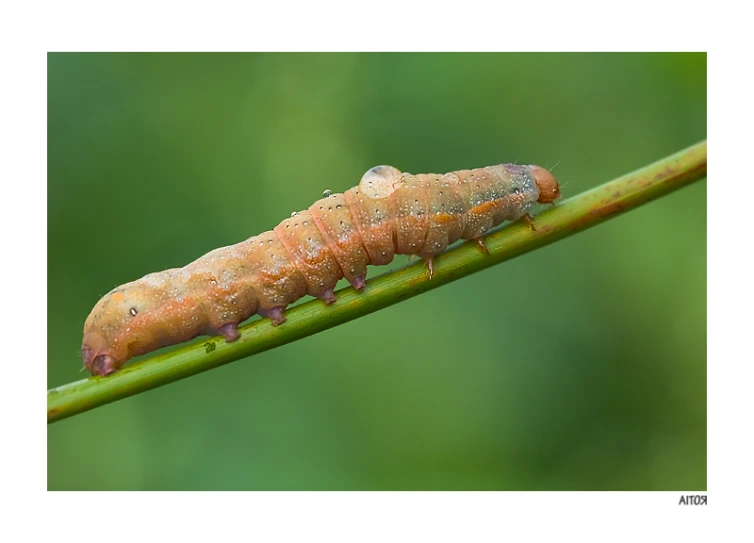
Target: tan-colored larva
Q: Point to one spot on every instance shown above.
(388, 213)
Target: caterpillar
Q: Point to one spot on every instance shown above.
(388, 213)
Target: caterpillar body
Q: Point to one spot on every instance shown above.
(388, 213)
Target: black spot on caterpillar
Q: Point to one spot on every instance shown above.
(388, 213)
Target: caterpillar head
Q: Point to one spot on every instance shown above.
(118, 328)
(549, 190)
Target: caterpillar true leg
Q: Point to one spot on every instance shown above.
(431, 268)
(528, 219)
(482, 246)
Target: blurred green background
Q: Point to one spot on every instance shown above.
(597, 381)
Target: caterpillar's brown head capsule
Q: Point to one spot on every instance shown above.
(549, 190)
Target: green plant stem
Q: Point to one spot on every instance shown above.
(574, 215)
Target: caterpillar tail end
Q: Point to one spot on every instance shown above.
(549, 189)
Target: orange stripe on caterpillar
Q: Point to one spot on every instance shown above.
(388, 213)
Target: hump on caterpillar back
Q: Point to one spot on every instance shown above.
(380, 181)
